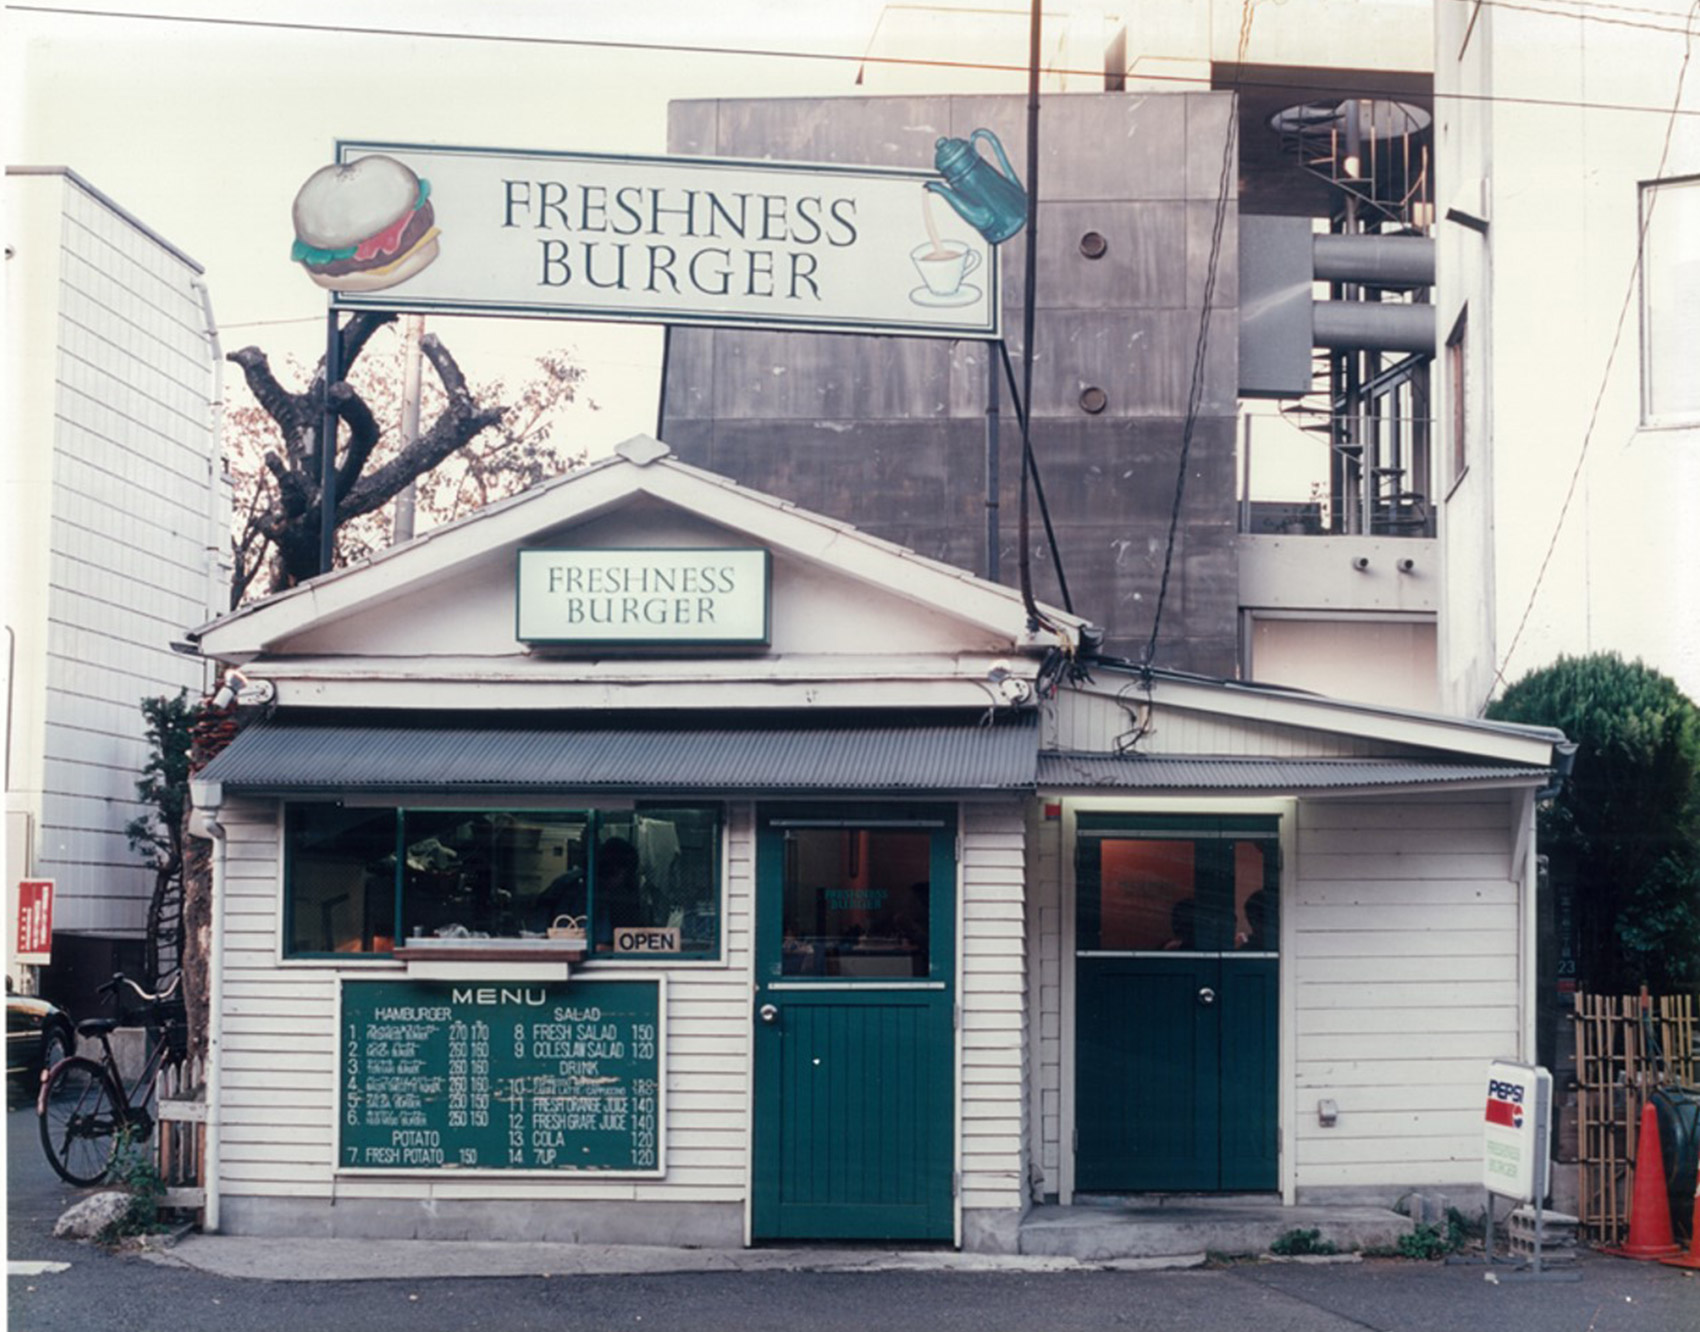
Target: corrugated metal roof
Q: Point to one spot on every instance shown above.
(284, 758)
(1162, 772)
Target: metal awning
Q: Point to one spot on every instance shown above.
(1150, 772)
(288, 758)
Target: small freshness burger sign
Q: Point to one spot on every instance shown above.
(637, 598)
(675, 240)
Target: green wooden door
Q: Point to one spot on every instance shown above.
(854, 1047)
(1176, 980)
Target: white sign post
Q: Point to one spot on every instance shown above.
(1516, 1155)
(673, 240)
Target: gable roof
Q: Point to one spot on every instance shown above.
(639, 467)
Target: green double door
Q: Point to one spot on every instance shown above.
(854, 1025)
(1177, 976)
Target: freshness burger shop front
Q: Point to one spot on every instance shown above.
(604, 866)
(645, 860)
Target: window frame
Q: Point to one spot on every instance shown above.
(1457, 376)
(594, 814)
(1651, 419)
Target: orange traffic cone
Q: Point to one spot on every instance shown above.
(1650, 1234)
(1692, 1257)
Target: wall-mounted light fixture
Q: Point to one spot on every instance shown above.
(238, 688)
(1361, 563)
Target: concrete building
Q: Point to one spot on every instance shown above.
(1569, 147)
(1303, 548)
(114, 504)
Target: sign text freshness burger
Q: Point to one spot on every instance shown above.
(663, 240)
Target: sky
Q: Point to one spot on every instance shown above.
(204, 131)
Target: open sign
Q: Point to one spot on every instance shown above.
(645, 939)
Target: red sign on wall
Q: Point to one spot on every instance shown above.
(33, 943)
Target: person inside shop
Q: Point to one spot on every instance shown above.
(1183, 926)
(1257, 937)
(619, 899)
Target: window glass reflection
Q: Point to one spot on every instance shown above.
(857, 902)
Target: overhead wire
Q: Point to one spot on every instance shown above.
(1303, 89)
(1201, 347)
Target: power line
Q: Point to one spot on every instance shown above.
(1307, 91)
(1605, 377)
(1195, 390)
(1588, 15)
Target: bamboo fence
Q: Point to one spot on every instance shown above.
(1627, 1047)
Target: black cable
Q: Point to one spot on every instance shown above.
(1030, 253)
(1195, 391)
(1031, 468)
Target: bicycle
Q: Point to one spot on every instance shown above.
(84, 1109)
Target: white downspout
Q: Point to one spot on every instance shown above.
(1528, 873)
(203, 822)
(218, 484)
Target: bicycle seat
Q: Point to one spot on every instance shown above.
(97, 1026)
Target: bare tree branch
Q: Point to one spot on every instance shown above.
(452, 430)
(280, 404)
(363, 432)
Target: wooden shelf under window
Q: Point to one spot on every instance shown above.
(491, 950)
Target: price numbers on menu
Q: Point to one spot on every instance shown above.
(444, 1075)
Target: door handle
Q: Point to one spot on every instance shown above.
(1207, 996)
(768, 1013)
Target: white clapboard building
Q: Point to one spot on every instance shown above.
(644, 859)
(115, 512)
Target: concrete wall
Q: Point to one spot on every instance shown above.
(890, 434)
(1580, 116)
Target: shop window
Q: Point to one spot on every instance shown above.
(644, 881)
(1197, 886)
(1670, 302)
(341, 865)
(858, 902)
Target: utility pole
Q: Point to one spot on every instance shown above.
(412, 359)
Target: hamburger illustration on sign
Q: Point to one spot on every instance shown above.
(364, 225)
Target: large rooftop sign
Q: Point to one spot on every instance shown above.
(676, 240)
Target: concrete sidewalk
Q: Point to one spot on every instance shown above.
(275, 1259)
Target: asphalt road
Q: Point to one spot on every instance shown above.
(102, 1290)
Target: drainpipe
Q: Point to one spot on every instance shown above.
(203, 823)
(218, 592)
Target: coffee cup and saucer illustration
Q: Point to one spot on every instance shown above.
(944, 267)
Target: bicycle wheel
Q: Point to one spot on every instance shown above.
(80, 1112)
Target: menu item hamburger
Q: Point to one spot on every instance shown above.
(364, 225)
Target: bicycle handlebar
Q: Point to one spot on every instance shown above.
(119, 978)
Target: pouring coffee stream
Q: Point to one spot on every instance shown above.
(938, 251)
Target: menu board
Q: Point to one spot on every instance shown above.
(453, 1075)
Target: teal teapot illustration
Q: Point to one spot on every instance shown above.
(993, 203)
